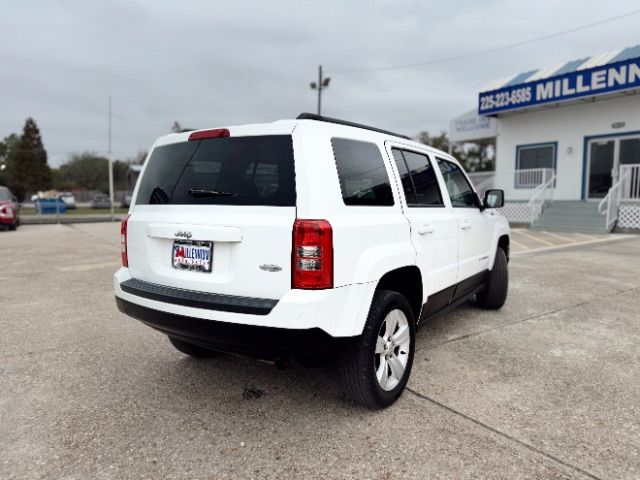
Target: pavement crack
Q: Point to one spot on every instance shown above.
(505, 435)
(533, 317)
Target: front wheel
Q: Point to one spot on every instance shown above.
(376, 368)
(495, 291)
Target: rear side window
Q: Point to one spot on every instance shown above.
(419, 180)
(221, 171)
(363, 176)
(460, 191)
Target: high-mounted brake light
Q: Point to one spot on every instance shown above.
(312, 255)
(123, 241)
(215, 133)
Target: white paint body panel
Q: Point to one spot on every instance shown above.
(368, 241)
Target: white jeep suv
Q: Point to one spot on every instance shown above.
(306, 239)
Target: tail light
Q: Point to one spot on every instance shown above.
(123, 241)
(204, 134)
(312, 256)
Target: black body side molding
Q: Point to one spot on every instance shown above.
(446, 300)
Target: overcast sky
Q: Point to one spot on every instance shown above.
(213, 63)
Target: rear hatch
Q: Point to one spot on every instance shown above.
(215, 215)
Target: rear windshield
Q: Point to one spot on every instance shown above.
(4, 194)
(221, 171)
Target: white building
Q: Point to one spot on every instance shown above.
(567, 142)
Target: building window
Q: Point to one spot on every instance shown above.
(363, 176)
(419, 180)
(530, 162)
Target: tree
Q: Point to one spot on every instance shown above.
(27, 168)
(9, 142)
(90, 171)
(6, 146)
(441, 142)
(477, 158)
(474, 157)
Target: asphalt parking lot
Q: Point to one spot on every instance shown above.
(546, 388)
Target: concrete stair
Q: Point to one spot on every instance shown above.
(571, 216)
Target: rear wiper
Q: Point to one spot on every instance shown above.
(209, 193)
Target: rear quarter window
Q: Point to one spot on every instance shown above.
(221, 171)
(362, 173)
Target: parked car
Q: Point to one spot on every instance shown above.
(69, 199)
(101, 201)
(342, 246)
(9, 209)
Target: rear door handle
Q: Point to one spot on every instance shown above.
(425, 229)
(466, 225)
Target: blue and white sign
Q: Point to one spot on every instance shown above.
(600, 80)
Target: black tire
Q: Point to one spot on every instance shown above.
(192, 350)
(14, 227)
(494, 294)
(358, 363)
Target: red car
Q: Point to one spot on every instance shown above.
(9, 209)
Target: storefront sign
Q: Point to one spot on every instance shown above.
(471, 126)
(610, 78)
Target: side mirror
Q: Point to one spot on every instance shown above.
(493, 198)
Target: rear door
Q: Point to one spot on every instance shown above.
(434, 230)
(216, 215)
(475, 228)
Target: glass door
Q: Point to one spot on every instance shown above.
(601, 163)
(606, 156)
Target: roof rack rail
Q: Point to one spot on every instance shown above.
(320, 118)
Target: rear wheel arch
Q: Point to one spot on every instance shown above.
(408, 282)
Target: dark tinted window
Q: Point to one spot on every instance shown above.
(363, 176)
(539, 156)
(460, 191)
(419, 180)
(4, 194)
(221, 171)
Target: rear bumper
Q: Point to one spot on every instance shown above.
(265, 342)
(6, 220)
(338, 312)
(189, 298)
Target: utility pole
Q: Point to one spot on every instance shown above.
(110, 165)
(323, 83)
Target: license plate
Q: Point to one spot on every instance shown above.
(195, 256)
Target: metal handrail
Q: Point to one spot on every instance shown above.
(611, 213)
(535, 184)
(537, 199)
(610, 204)
(606, 198)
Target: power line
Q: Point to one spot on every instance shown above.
(489, 50)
